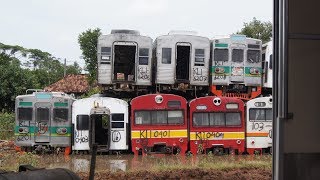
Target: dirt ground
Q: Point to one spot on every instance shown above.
(244, 173)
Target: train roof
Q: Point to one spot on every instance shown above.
(179, 35)
(238, 36)
(55, 94)
(212, 97)
(260, 99)
(154, 95)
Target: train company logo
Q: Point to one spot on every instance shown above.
(202, 135)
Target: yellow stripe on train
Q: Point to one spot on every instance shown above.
(159, 134)
(216, 135)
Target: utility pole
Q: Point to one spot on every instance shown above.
(65, 66)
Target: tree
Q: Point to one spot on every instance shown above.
(258, 30)
(88, 42)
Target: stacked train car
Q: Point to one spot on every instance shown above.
(124, 61)
(182, 63)
(43, 121)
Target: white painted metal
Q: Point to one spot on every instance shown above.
(85, 107)
(267, 76)
(259, 127)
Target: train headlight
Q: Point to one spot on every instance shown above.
(238, 141)
(254, 71)
(61, 131)
(219, 70)
(23, 130)
(217, 101)
(158, 99)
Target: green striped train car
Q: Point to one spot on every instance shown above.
(43, 122)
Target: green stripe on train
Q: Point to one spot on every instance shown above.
(221, 45)
(25, 103)
(247, 72)
(60, 104)
(53, 130)
(227, 70)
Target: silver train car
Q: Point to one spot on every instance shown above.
(43, 121)
(236, 69)
(102, 121)
(267, 63)
(124, 61)
(181, 62)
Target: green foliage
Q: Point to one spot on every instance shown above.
(29, 158)
(92, 91)
(88, 42)
(258, 30)
(7, 123)
(44, 69)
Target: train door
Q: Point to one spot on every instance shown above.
(43, 122)
(124, 61)
(237, 64)
(182, 62)
(100, 129)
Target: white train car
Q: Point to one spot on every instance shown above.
(267, 63)
(236, 67)
(182, 62)
(124, 61)
(100, 120)
(259, 125)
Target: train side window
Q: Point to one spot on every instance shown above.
(217, 119)
(143, 56)
(117, 117)
(166, 55)
(269, 115)
(142, 117)
(175, 117)
(270, 65)
(159, 117)
(199, 57)
(25, 114)
(253, 56)
(105, 55)
(233, 119)
(237, 55)
(42, 114)
(60, 114)
(221, 54)
(82, 122)
(200, 119)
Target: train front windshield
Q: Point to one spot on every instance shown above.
(162, 117)
(216, 119)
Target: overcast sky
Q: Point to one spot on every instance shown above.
(54, 25)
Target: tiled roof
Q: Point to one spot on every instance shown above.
(72, 83)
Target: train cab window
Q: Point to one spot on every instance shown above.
(159, 117)
(142, 117)
(270, 64)
(60, 114)
(233, 119)
(105, 55)
(175, 117)
(200, 119)
(143, 56)
(82, 122)
(25, 114)
(237, 55)
(199, 57)
(42, 114)
(260, 114)
(217, 119)
(253, 56)
(166, 56)
(221, 54)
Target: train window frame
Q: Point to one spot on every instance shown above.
(166, 55)
(143, 57)
(233, 55)
(218, 126)
(38, 118)
(83, 128)
(259, 120)
(270, 60)
(215, 52)
(200, 56)
(233, 125)
(254, 60)
(106, 54)
(121, 119)
(60, 119)
(151, 122)
(25, 108)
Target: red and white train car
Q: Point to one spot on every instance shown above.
(217, 124)
(159, 124)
